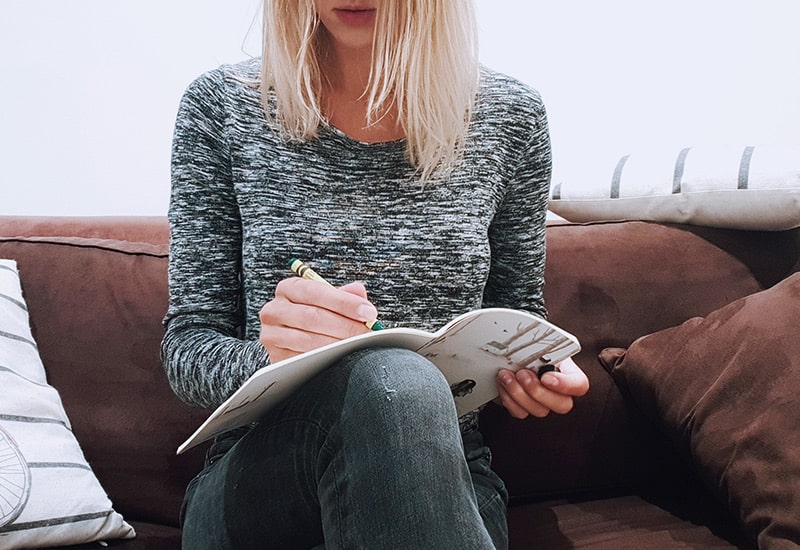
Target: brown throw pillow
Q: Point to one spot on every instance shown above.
(726, 390)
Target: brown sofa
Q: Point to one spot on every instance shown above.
(600, 477)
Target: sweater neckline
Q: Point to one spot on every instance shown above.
(375, 145)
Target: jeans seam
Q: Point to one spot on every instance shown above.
(487, 502)
(325, 448)
(339, 506)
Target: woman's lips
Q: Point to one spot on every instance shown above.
(355, 17)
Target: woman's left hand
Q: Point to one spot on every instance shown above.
(522, 393)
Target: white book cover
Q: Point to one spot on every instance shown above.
(469, 350)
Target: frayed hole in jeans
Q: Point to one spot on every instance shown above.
(385, 379)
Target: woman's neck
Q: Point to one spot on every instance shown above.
(345, 101)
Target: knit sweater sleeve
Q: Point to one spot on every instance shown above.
(517, 233)
(204, 355)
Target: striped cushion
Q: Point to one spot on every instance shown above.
(756, 188)
(49, 495)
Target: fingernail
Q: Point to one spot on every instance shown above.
(506, 378)
(524, 376)
(550, 380)
(367, 312)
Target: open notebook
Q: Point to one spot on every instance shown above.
(469, 350)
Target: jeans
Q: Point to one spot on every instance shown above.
(367, 455)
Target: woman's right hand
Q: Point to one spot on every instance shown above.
(305, 315)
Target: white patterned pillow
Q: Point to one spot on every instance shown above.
(755, 188)
(49, 495)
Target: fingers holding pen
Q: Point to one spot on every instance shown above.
(305, 315)
(364, 309)
(320, 308)
(349, 301)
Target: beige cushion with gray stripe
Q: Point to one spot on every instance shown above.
(49, 495)
(737, 187)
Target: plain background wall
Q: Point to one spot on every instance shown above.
(89, 88)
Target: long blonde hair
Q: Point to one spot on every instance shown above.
(424, 63)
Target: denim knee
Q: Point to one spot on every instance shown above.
(398, 386)
(392, 373)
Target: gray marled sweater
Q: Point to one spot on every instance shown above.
(244, 201)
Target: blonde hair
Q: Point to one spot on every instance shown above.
(424, 63)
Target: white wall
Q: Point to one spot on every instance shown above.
(89, 87)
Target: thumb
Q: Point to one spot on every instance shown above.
(571, 380)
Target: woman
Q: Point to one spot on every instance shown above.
(369, 142)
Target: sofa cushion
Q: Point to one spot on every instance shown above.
(753, 188)
(620, 523)
(49, 494)
(96, 307)
(149, 536)
(725, 388)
